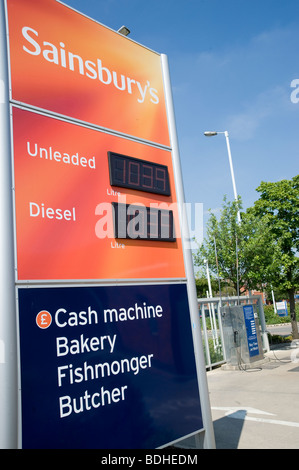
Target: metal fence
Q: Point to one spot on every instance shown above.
(212, 330)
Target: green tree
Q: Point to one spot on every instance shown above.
(202, 285)
(223, 239)
(278, 206)
(245, 251)
(258, 251)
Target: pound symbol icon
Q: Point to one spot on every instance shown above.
(43, 319)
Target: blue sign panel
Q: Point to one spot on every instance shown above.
(282, 308)
(107, 367)
(251, 330)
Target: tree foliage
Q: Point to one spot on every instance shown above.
(263, 249)
(220, 247)
(235, 251)
(279, 206)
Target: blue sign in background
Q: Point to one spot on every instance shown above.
(94, 381)
(251, 330)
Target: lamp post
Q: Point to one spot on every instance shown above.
(211, 134)
(212, 317)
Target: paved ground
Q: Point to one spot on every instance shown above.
(257, 408)
(282, 329)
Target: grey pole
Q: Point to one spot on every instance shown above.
(211, 134)
(232, 172)
(209, 439)
(8, 337)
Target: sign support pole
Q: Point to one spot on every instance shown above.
(209, 439)
(8, 340)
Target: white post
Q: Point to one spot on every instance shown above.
(209, 439)
(232, 171)
(211, 308)
(273, 299)
(8, 348)
(263, 324)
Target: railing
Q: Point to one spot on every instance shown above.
(213, 336)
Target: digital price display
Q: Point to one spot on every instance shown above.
(142, 175)
(144, 223)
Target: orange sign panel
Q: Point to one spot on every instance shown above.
(64, 204)
(66, 63)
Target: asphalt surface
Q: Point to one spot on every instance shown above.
(283, 329)
(258, 408)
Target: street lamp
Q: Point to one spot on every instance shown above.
(211, 134)
(124, 31)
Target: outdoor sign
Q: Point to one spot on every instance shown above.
(282, 308)
(65, 218)
(99, 368)
(105, 292)
(251, 333)
(66, 63)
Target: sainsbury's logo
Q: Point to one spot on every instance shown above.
(93, 69)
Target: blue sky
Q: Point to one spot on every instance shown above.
(231, 63)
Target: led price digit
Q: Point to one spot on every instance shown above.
(143, 223)
(142, 175)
